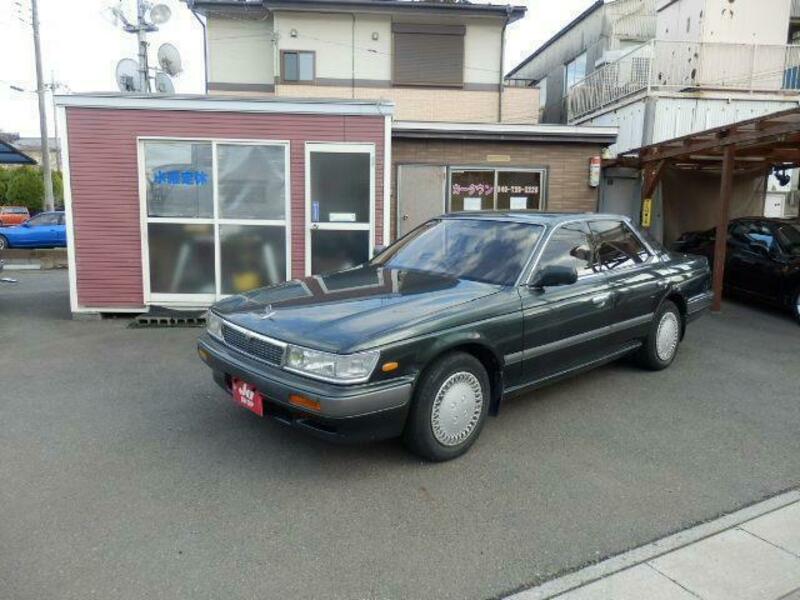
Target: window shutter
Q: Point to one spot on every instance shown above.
(428, 55)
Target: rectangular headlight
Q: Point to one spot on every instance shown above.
(341, 368)
(213, 325)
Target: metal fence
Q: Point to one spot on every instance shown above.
(687, 65)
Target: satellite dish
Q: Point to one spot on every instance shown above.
(164, 84)
(169, 59)
(128, 76)
(160, 14)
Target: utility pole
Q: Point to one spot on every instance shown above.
(53, 86)
(142, 28)
(49, 201)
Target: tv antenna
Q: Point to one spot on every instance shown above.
(169, 59)
(149, 15)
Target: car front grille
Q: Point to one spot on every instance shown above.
(252, 346)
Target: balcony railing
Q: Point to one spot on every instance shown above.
(687, 66)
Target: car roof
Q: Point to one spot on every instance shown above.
(533, 217)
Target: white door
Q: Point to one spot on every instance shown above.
(340, 206)
(421, 193)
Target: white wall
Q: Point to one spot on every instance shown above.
(725, 21)
(240, 51)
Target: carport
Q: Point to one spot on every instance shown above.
(11, 156)
(753, 147)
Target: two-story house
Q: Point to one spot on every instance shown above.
(438, 61)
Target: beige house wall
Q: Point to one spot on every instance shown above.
(520, 105)
(240, 52)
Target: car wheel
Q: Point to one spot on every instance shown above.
(3, 243)
(449, 408)
(661, 344)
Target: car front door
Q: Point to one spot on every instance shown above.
(564, 326)
(632, 275)
(752, 265)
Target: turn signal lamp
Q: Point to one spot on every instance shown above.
(389, 367)
(304, 402)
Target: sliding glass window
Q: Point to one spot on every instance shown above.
(216, 215)
(496, 189)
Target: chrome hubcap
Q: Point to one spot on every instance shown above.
(457, 408)
(667, 336)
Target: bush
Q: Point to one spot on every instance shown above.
(5, 179)
(26, 188)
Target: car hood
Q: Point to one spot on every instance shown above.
(349, 310)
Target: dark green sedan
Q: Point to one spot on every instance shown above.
(428, 338)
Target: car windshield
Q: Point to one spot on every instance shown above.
(789, 238)
(477, 249)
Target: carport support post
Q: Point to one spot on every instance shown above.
(721, 238)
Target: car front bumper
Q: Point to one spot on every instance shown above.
(363, 412)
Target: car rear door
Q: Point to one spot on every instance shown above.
(564, 326)
(633, 278)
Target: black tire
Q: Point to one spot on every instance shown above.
(796, 305)
(650, 355)
(3, 243)
(425, 434)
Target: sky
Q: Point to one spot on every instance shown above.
(81, 47)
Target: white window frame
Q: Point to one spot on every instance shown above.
(215, 221)
(343, 148)
(543, 171)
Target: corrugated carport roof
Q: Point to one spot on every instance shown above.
(11, 156)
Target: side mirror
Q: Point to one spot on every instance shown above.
(554, 275)
(378, 249)
(26, 223)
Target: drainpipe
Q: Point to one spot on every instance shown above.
(353, 58)
(205, 44)
(502, 60)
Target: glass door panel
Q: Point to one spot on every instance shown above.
(340, 195)
(251, 256)
(337, 250)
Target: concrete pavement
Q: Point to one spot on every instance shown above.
(753, 554)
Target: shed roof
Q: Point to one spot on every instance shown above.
(11, 156)
(504, 132)
(266, 104)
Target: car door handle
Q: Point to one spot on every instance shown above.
(601, 299)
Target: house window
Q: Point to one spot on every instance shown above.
(496, 189)
(431, 55)
(216, 217)
(574, 71)
(297, 65)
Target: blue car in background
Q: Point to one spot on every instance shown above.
(45, 230)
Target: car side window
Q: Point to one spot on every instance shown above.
(570, 246)
(617, 246)
(758, 234)
(44, 220)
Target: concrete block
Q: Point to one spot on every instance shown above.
(732, 565)
(781, 528)
(636, 583)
